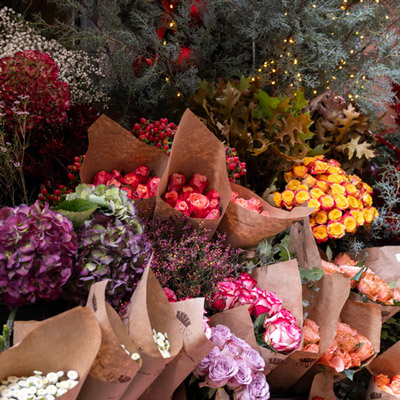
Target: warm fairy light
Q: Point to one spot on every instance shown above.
(334, 77)
(314, 91)
(285, 41)
(286, 72)
(272, 61)
(273, 82)
(314, 6)
(164, 42)
(166, 79)
(362, 37)
(351, 76)
(295, 61)
(171, 24)
(351, 51)
(178, 94)
(259, 69)
(171, 6)
(253, 79)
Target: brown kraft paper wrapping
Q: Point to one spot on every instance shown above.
(67, 341)
(238, 320)
(150, 309)
(283, 279)
(324, 308)
(113, 147)
(245, 228)
(195, 150)
(387, 364)
(384, 262)
(322, 386)
(113, 369)
(195, 347)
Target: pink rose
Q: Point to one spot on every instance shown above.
(171, 198)
(101, 178)
(198, 182)
(226, 295)
(113, 182)
(212, 194)
(265, 213)
(234, 196)
(281, 334)
(267, 302)
(247, 280)
(142, 192)
(170, 295)
(182, 206)
(214, 203)
(130, 179)
(152, 185)
(197, 203)
(176, 182)
(142, 173)
(254, 204)
(246, 296)
(241, 202)
(213, 214)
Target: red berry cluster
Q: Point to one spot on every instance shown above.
(234, 166)
(52, 193)
(73, 170)
(158, 133)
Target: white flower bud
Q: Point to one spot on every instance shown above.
(72, 374)
(51, 389)
(52, 377)
(135, 356)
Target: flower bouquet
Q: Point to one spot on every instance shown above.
(113, 148)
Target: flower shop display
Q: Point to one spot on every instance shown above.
(39, 386)
(195, 150)
(68, 342)
(117, 361)
(390, 385)
(341, 202)
(37, 249)
(245, 228)
(232, 364)
(149, 311)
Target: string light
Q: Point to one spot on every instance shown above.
(166, 79)
(178, 94)
(314, 91)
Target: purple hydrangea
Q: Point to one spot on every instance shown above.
(37, 247)
(110, 249)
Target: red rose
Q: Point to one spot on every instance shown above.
(213, 204)
(213, 214)
(130, 179)
(186, 190)
(198, 182)
(116, 174)
(152, 185)
(101, 178)
(182, 206)
(212, 194)
(142, 172)
(171, 198)
(142, 192)
(114, 182)
(128, 191)
(176, 182)
(170, 295)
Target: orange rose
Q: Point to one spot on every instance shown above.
(381, 380)
(293, 184)
(323, 178)
(330, 268)
(311, 332)
(345, 259)
(395, 384)
(303, 187)
(355, 180)
(308, 180)
(335, 170)
(321, 217)
(311, 348)
(288, 197)
(314, 203)
(337, 190)
(365, 188)
(335, 178)
(327, 202)
(313, 223)
(335, 214)
(301, 196)
(316, 193)
(396, 294)
(349, 223)
(299, 171)
(336, 230)
(360, 205)
(324, 186)
(359, 217)
(277, 199)
(340, 360)
(288, 176)
(320, 233)
(346, 337)
(308, 160)
(366, 350)
(368, 215)
(353, 202)
(351, 189)
(367, 200)
(319, 167)
(342, 202)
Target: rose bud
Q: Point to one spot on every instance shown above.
(114, 182)
(170, 295)
(198, 183)
(142, 172)
(183, 207)
(300, 171)
(176, 182)
(171, 198)
(116, 174)
(246, 280)
(152, 185)
(101, 178)
(130, 179)
(213, 214)
(212, 194)
(142, 192)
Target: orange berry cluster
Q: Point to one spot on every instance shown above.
(342, 202)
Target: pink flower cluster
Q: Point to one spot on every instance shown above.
(33, 75)
(138, 184)
(253, 204)
(234, 364)
(281, 332)
(191, 198)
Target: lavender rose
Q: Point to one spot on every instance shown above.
(202, 367)
(253, 359)
(221, 369)
(220, 334)
(242, 377)
(258, 389)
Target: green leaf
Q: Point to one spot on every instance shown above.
(266, 103)
(211, 393)
(244, 83)
(317, 150)
(311, 275)
(305, 135)
(299, 100)
(359, 274)
(384, 334)
(77, 210)
(329, 253)
(259, 321)
(2, 344)
(392, 284)
(221, 394)
(349, 373)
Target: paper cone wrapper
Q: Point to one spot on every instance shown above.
(195, 347)
(387, 364)
(238, 320)
(324, 308)
(384, 262)
(283, 279)
(113, 369)
(150, 309)
(322, 386)
(244, 228)
(113, 147)
(69, 341)
(180, 393)
(195, 150)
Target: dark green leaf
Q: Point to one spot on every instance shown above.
(359, 274)
(77, 211)
(266, 104)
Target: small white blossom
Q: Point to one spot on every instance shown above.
(71, 374)
(135, 356)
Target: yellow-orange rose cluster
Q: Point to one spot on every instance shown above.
(370, 284)
(348, 349)
(389, 385)
(311, 336)
(342, 202)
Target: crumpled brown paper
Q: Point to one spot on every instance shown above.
(67, 341)
(244, 228)
(322, 386)
(195, 150)
(149, 309)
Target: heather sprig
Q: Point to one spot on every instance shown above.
(190, 265)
